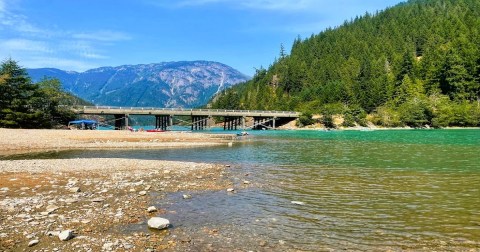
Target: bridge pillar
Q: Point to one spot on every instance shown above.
(231, 122)
(199, 122)
(163, 121)
(260, 123)
(121, 122)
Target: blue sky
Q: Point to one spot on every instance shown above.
(245, 34)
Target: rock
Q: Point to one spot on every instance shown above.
(246, 182)
(298, 203)
(142, 193)
(53, 233)
(51, 208)
(151, 209)
(227, 165)
(158, 223)
(71, 200)
(98, 200)
(148, 187)
(65, 235)
(33, 243)
(74, 189)
(263, 243)
(230, 190)
(108, 246)
(187, 196)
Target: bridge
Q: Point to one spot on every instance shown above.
(200, 118)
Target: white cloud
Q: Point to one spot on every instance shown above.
(103, 35)
(36, 46)
(21, 44)
(58, 62)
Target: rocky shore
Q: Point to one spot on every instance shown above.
(29, 140)
(88, 204)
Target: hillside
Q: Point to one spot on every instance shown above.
(417, 63)
(169, 84)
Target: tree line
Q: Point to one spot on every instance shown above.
(24, 104)
(414, 64)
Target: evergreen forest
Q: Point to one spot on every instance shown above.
(414, 64)
(24, 104)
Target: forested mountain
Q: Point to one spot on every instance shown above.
(417, 63)
(167, 84)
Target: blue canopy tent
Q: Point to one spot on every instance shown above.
(83, 124)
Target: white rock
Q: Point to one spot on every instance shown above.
(151, 209)
(51, 208)
(246, 182)
(74, 189)
(230, 190)
(33, 243)
(187, 196)
(65, 235)
(298, 203)
(158, 223)
(142, 193)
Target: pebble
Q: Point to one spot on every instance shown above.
(65, 235)
(51, 208)
(187, 196)
(246, 182)
(151, 209)
(298, 203)
(98, 200)
(142, 193)
(33, 243)
(158, 223)
(74, 189)
(230, 190)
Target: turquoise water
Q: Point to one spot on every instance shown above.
(362, 190)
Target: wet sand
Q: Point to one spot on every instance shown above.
(95, 198)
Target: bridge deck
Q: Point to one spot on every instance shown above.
(182, 112)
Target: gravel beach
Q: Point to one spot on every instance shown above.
(86, 204)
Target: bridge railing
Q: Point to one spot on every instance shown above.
(187, 110)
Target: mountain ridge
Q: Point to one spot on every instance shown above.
(164, 84)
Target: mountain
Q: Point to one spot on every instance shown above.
(417, 63)
(169, 84)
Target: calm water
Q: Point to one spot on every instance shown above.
(363, 190)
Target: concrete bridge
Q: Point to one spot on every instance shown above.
(201, 118)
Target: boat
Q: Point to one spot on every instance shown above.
(155, 130)
(243, 133)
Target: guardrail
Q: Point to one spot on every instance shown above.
(188, 110)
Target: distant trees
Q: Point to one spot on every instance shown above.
(27, 105)
(415, 64)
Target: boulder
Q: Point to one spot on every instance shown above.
(158, 223)
(65, 235)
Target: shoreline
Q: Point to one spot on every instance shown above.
(96, 198)
(17, 141)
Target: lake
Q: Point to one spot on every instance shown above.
(355, 190)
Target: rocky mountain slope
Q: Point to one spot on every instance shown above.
(168, 84)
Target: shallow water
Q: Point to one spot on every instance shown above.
(362, 190)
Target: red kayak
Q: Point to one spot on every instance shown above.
(155, 130)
